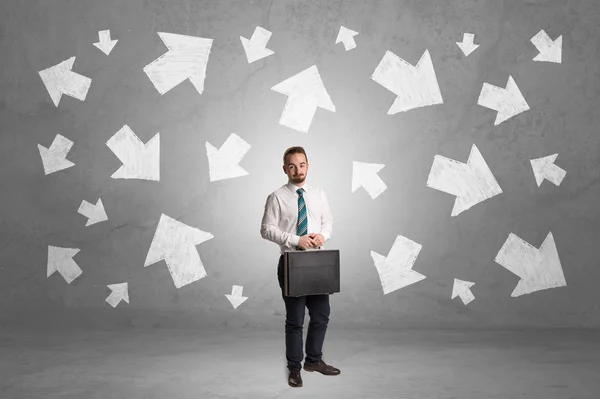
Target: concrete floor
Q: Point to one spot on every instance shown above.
(165, 364)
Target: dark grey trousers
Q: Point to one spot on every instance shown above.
(318, 310)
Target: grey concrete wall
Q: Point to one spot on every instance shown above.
(39, 210)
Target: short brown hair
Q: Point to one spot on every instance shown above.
(294, 150)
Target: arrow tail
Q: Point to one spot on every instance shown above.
(260, 37)
(298, 113)
(450, 176)
(555, 174)
(491, 96)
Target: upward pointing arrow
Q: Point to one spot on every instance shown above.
(467, 45)
(346, 36)
(55, 157)
(414, 86)
(105, 44)
(119, 293)
(365, 175)
(544, 168)
(462, 289)
(59, 80)
(305, 92)
(508, 102)
(187, 58)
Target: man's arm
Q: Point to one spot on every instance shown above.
(326, 219)
(269, 227)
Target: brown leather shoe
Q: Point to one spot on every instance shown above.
(321, 367)
(294, 379)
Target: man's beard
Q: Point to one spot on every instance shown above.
(299, 178)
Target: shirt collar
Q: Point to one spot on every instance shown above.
(293, 188)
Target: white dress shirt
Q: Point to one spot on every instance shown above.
(279, 222)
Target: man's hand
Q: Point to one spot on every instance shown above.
(306, 241)
(318, 239)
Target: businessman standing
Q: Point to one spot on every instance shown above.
(297, 217)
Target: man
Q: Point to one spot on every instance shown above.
(297, 217)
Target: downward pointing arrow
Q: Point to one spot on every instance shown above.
(395, 271)
(539, 269)
(508, 102)
(256, 47)
(346, 36)
(463, 290)
(544, 168)
(61, 260)
(119, 293)
(550, 50)
(365, 175)
(467, 45)
(94, 213)
(140, 161)
(59, 80)
(105, 44)
(223, 163)
(236, 297)
(54, 158)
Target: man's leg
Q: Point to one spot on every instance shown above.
(318, 310)
(294, 320)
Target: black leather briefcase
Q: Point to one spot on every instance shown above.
(311, 272)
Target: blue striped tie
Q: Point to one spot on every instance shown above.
(302, 226)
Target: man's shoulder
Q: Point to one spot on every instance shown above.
(315, 189)
(278, 191)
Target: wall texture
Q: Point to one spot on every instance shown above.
(41, 210)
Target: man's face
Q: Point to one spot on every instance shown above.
(296, 168)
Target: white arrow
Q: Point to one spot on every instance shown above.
(105, 44)
(414, 87)
(61, 260)
(186, 59)
(236, 297)
(140, 161)
(550, 50)
(55, 157)
(508, 102)
(59, 80)
(467, 45)
(256, 47)
(119, 293)
(94, 213)
(462, 289)
(471, 183)
(176, 243)
(539, 269)
(544, 168)
(223, 163)
(365, 175)
(346, 36)
(395, 271)
(305, 92)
